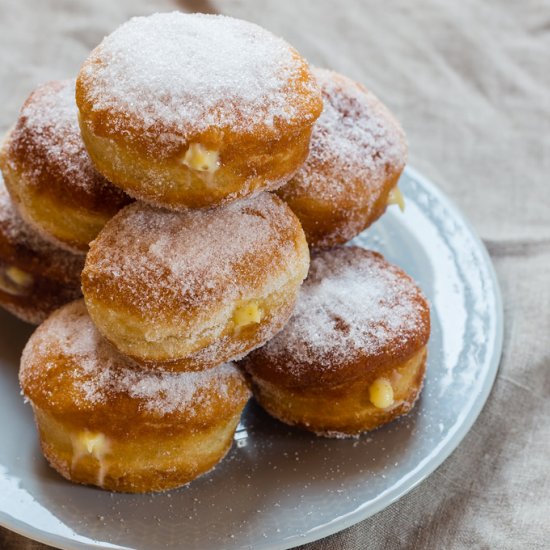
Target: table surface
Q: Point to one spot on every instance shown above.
(470, 83)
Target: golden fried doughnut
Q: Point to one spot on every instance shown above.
(190, 290)
(50, 175)
(353, 355)
(103, 421)
(357, 153)
(36, 277)
(193, 110)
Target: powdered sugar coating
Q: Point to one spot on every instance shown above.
(67, 356)
(163, 264)
(173, 74)
(355, 146)
(353, 305)
(25, 248)
(46, 148)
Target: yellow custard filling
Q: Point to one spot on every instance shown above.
(396, 197)
(19, 277)
(95, 444)
(247, 314)
(15, 281)
(92, 444)
(381, 393)
(201, 159)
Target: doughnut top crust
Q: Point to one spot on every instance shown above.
(356, 315)
(160, 265)
(71, 371)
(23, 247)
(46, 149)
(356, 143)
(165, 78)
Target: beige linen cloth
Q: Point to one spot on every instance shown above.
(470, 82)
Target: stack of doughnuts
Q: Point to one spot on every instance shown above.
(159, 218)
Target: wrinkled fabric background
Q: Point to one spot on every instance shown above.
(470, 82)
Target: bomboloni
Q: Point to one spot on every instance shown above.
(193, 110)
(190, 290)
(50, 175)
(357, 153)
(36, 277)
(104, 421)
(353, 355)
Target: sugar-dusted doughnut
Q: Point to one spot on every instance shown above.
(353, 355)
(357, 153)
(36, 277)
(190, 290)
(50, 175)
(191, 110)
(103, 421)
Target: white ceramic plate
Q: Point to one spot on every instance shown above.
(280, 487)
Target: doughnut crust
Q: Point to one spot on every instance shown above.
(103, 421)
(357, 153)
(190, 290)
(36, 277)
(193, 110)
(50, 175)
(353, 355)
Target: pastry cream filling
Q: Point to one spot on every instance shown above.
(201, 159)
(381, 393)
(15, 281)
(19, 277)
(396, 197)
(93, 444)
(247, 314)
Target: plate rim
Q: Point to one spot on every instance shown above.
(393, 494)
